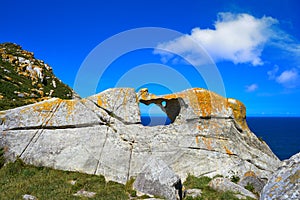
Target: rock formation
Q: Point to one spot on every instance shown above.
(25, 79)
(285, 182)
(102, 134)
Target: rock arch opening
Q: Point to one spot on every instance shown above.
(152, 115)
(160, 111)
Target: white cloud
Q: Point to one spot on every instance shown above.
(288, 77)
(273, 73)
(251, 88)
(239, 38)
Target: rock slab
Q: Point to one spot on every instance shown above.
(156, 178)
(224, 184)
(285, 182)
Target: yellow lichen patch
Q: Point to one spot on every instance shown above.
(295, 177)
(143, 93)
(227, 150)
(249, 174)
(206, 103)
(45, 108)
(83, 101)
(70, 104)
(197, 140)
(239, 112)
(102, 102)
(207, 143)
(278, 179)
(273, 188)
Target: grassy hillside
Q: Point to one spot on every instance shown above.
(18, 179)
(25, 79)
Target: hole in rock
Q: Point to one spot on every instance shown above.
(152, 115)
(159, 111)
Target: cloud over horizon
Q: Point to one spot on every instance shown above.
(239, 38)
(288, 78)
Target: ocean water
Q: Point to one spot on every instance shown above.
(282, 134)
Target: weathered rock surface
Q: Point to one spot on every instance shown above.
(102, 134)
(224, 184)
(285, 182)
(250, 179)
(156, 178)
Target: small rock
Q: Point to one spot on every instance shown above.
(193, 193)
(224, 184)
(72, 182)
(29, 197)
(83, 193)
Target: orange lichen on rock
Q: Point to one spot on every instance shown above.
(249, 174)
(207, 143)
(70, 104)
(101, 101)
(278, 179)
(200, 101)
(239, 112)
(46, 106)
(227, 151)
(197, 140)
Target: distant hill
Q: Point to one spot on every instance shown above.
(25, 79)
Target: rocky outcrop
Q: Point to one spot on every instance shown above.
(25, 79)
(285, 182)
(102, 134)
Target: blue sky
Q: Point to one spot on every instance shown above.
(253, 46)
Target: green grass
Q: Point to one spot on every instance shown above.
(235, 179)
(207, 192)
(17, 179)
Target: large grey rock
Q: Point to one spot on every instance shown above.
(102, 134)
(156, 178)
(224, 184)
(285, 182)
(252, 180)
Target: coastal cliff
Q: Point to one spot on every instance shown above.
(103, 134)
